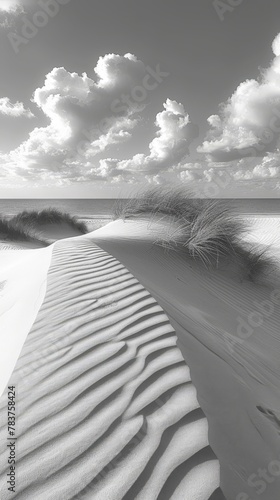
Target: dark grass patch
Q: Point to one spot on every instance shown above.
(14, 231)
(34, 219)
(26, 225)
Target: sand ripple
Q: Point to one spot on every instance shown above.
(105, 405)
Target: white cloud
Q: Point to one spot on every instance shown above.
(86, 116)
(14, 110)
(190, 176)
(169, 147)
(276, 45)
(10, 6)
(249, 122)
(267, 168)
(221, 176)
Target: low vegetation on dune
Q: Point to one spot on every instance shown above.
(28, 226)
(207, 229)
(13, 231)
(34, 219)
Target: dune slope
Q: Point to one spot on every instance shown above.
(106, 408)
(228, 332)
(23, 276)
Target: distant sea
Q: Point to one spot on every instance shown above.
(104, 208)
(82, 208)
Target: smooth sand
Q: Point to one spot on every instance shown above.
(23, 276)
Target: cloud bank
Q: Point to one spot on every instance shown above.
(89, 115)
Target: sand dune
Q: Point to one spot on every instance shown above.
(106, 408)
(234, 365)
(118, 335)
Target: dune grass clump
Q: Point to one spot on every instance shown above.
(34, 219)
(14, 231)
(206, 229)
(158, 201)
(27, 225)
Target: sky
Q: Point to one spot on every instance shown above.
(100, 98)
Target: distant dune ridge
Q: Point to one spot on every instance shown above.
(172, 297)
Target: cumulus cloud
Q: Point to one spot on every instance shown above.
(267, 168)
(89, 113)
(167, 150)
(86, 115)
(249, 122)
(191, 172)
(14, 110)
(211, 178)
